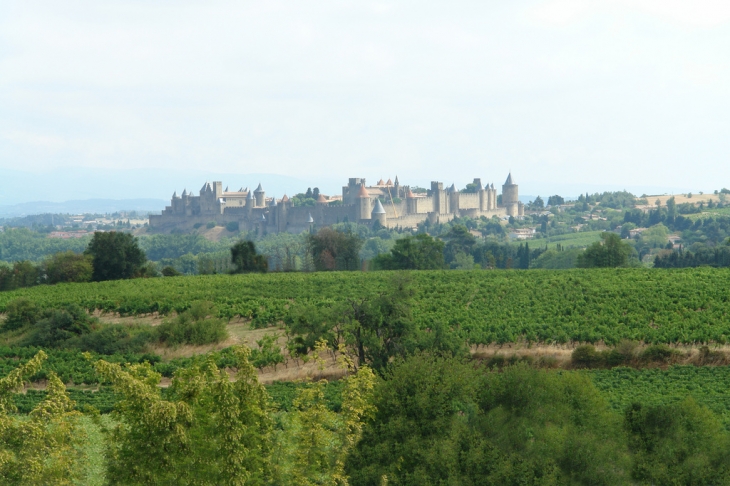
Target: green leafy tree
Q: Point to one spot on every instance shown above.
(458, 241)
(610, 252)
(58, 326)
(21, 312)
(555, 200)
(68, 267)
(538, 203)
(335, 250)
(678, 443)
(246, 260)
(316, 441)
(445, 421)
(382, 327)
(419, 252)
(45, 447)
(211, 430)
(268, 352)
(115, 256)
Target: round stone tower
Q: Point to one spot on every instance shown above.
(260, 196)
(363, 204)
(510, 199)
(378, 213)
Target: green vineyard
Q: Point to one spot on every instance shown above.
(654, 306)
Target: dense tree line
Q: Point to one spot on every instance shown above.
(108, 256)
(427, 419)
(703, 256)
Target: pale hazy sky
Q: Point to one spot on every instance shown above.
(629, 93)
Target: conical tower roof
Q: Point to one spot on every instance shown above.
(249, 195)
(396, 181)
(389, 183)
(285, 198)
(378, 209)
(226, 189)
(363, 192)
(263, 217)
(273, 202)
(174, 194)
(310, 219)
(380, 183)
(452, 188)
(321, 199)
(509, 182)
(409, 193)
(259, 189)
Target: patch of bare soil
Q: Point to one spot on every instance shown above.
(153, 319)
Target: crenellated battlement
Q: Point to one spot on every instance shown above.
(389, 203)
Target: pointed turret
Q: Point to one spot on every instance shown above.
(174, 195)
(510, 197)
(260, 196)
(409, 193)
(452, 188)
(185, 193)
(226, 189)
(389, 183)
(378, 209)
(285, 199)
(362, 192)
(310, 219)
(321, 199)
(378, 213)
(396, 181)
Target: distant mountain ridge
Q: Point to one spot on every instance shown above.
(82, 206)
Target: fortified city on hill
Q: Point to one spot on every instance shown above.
(387, 203)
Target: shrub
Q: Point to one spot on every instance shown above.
(60, 325)
(112, 339)
(68, 267)
(170, 271)
(586, 356)
(193, 326)
(211, 224)
(658, 353)
(21, 312)
(232, 226)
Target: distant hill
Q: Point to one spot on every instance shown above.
(82, 206)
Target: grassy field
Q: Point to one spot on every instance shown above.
(571, 240)
(709, 213)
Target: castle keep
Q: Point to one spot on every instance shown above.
(387, 203)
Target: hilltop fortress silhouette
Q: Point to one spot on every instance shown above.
(387, 203)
